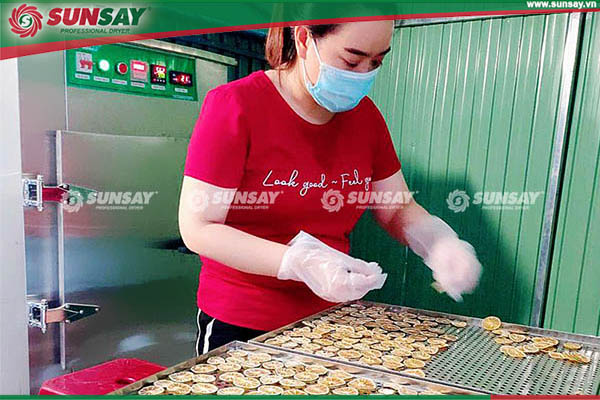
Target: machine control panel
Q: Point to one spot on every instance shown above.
(132, 69)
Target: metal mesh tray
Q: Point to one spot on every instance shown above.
(382, 379)
(475, 362)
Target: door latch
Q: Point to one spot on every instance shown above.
(40, 315)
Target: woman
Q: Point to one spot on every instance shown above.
(303, 137)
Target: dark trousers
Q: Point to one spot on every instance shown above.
(213, 333)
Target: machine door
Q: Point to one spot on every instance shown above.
(120, 249)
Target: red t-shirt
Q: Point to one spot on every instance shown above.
(247, 137)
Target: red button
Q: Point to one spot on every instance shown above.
(122, 68)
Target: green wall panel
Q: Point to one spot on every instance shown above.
(471, 105)
(574, 291)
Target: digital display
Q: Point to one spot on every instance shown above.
(158, 74)
(180, 78)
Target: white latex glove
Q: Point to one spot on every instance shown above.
(329, 273)
(454, 263)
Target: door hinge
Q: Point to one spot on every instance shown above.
(35, 193)
(40, 315)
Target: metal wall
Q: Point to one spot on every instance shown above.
(574, 293)
(473, 106)
(14, 358)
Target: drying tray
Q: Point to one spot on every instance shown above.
(474, 361)
(381, 378)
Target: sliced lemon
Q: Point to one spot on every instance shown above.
(409, 390)
(437, 342)
(317, 389)
(331, 381)
(363, 384)
(349, 354)
(543, 345)
(204, 378)
(517, 338)
(421, 355)
(431, 349)
(415, 371)
(545, 340)
(230, 391)
(413, 363)
(515, 353)
(203, 388)
(270, 390)
(449, 337)
(576, 357)
(215, 360)
(345, 391)
(548, 349)
(459, 324)
(151, 390)
(203, 368)
(182, 377)
(269, 379)
(530, 348)
(491, 323)
(307, 377)
(572, 346)
(504, 348)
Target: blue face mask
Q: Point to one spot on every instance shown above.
(337, 89)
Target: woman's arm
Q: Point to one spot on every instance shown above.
(332, 275)
(453, 261)
(203, 231)
(397, 216)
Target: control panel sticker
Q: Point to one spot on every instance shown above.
(84, 62)
(139, 71)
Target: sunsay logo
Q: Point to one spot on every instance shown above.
(458, 200)
(95, 16)
(332, 200)
(25, 21)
